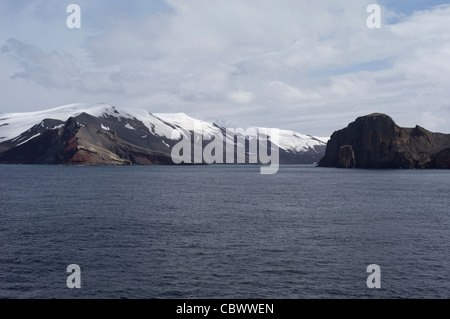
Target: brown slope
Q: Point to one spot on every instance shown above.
(82, 144)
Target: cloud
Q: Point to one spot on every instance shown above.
(433, 121)
(57, 71)
(240, 97)
(47, 69)
(308, 66)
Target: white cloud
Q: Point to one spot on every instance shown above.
(433, 121)
(240, 97)
(293, 64)
(54, 70)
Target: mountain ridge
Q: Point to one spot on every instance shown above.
(102, 134)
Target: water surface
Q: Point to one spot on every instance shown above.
(223, 232)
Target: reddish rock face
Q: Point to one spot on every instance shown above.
(82, 144)
(375, 141)
(81, 157)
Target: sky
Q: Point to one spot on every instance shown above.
(308, 66)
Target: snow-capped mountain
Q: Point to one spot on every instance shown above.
(101, 134)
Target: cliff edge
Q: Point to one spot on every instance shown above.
(375, 141)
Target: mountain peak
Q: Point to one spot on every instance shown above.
(375, 116)
(135, 136)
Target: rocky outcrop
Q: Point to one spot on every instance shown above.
(346, 157)
(375, 141)
(76, 143)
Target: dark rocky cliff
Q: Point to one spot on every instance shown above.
(375, 141)
(76, 143)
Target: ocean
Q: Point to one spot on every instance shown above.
(223, 231)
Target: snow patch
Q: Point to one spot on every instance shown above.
(296, 142)
(104, 127)
(29, 139)
(322, 139)
(154, 124)
(58, 126)
(21, 122)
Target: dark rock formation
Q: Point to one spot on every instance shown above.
(375, 141)
(346, 157)
(76, 143)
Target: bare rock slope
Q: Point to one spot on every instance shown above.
(375, 141)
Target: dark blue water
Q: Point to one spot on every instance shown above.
(223, 232)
